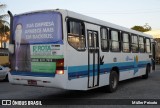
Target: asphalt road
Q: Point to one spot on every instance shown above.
(136, 88)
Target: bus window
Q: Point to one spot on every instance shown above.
(141, 44)
(104, 39)
(125, 44)
(76, 37)
(134, 47)
(148, 45)
(115, 41)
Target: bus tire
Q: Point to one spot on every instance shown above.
(147, 72)
(113, 82)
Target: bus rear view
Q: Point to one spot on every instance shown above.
(63, 49)
(38, 49)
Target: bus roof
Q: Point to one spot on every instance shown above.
(90, 20)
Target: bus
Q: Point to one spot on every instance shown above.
(63, 49)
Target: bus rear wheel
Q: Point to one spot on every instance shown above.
(113, 82)
(147, 72)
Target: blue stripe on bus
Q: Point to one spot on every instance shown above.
(35, 74)
(82, 71)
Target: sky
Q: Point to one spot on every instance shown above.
(126, 13)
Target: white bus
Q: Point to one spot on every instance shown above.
(63, 49)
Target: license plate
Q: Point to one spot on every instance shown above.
(32, 82)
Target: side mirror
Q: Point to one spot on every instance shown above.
(11, 48)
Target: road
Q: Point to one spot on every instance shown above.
(136, 88)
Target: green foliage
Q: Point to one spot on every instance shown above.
(4, 29)
(2, 16)
(144, 28)
(4, 25)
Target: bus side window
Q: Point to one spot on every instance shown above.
(141, 44)
(134, 44)
(125, 42)
(115, 41)
(76, 35)
(148, 45)
(104, 40)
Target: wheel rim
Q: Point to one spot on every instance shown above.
(114, 82)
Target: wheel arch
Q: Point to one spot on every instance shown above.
(116, 69)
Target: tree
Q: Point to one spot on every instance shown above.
(147, 27)
(4, 32)
(144, 28)
(4, 25)
(2, 16)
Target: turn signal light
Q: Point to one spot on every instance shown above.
(60, 66)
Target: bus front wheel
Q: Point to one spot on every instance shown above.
(113, 82)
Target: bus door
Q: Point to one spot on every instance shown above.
(153, 55)
(93, 61)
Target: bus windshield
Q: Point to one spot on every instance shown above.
(35, 36)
